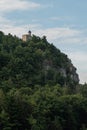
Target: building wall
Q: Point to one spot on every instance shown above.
(26, 37)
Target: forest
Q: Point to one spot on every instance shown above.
(39, 87)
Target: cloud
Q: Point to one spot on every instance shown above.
(14, 27)
(64, 35)
(83, 77)
(18, 30)
(60, 18)
(80, 61)
(56, 18)
(59, 33)
(79, 56)
(10, 5)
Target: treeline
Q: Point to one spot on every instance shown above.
(43, 108)
(39, 87)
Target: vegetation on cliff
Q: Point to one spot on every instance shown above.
(39, 87)
(35, 62)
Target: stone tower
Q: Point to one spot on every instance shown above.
(26, 37)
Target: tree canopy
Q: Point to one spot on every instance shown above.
(39, 87)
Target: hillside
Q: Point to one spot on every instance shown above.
(39, 87)
(35, 62)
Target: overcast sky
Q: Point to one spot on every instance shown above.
(64, 22)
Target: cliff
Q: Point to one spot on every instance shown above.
(35, 62)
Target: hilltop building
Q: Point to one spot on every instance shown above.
(26, 37)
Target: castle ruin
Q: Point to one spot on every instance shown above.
(26, 37)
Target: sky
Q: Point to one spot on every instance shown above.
(63, 22)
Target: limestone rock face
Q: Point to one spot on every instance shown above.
(67, 71)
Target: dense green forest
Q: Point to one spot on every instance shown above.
(39, 87)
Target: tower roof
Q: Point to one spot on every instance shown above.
(29, 31)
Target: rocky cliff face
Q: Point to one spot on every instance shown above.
(61, 68)
(68, 74)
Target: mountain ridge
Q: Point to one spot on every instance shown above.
(34, 62)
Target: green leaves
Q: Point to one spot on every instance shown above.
(36, 85)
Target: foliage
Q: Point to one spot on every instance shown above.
(36, 88)
(35, 62)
